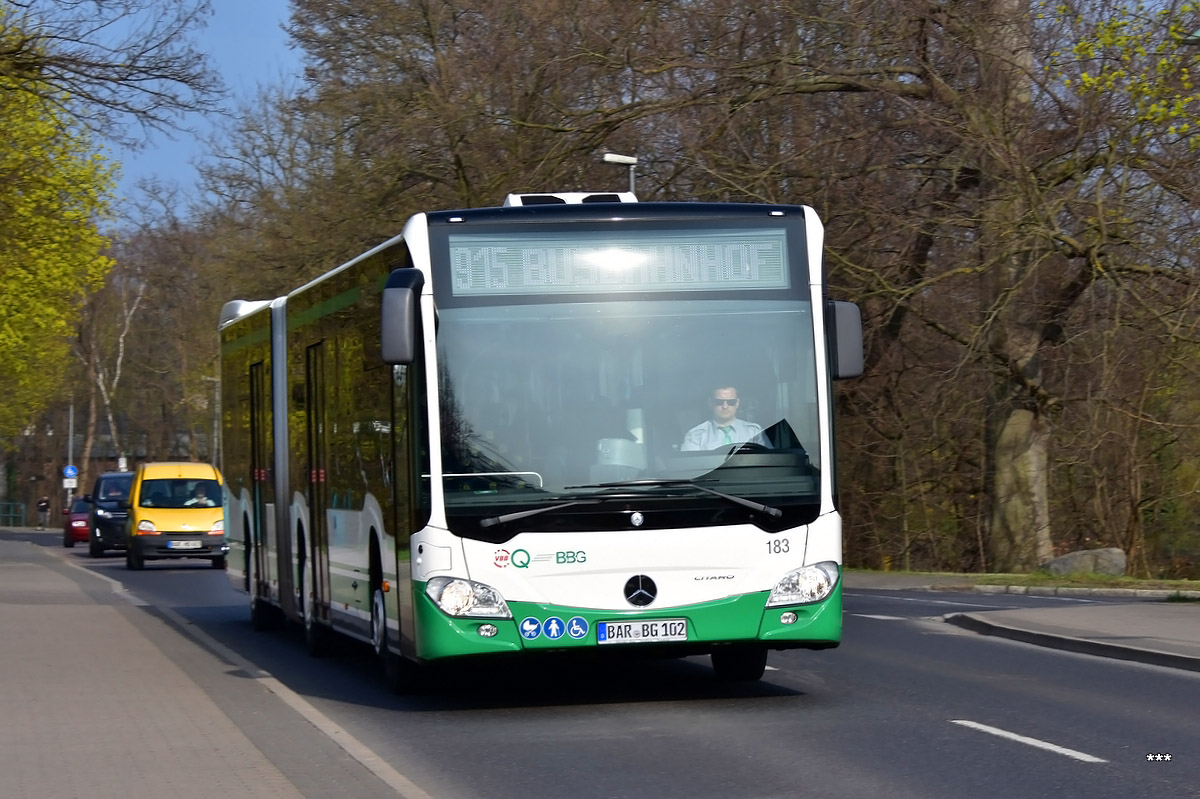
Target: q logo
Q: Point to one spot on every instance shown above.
(520, 559)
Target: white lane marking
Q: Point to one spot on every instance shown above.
(923, 601)
(356, 749)
(336, 733)
(877, 616)
(1012, 736)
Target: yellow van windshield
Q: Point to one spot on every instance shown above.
(180, 493)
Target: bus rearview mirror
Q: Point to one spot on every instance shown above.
(398, 327)
(845, 340)
(398, 309)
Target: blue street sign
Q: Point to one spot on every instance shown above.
(70, 471)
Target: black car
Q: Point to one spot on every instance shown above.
(107, 520)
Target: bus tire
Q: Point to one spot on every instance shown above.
(316, 635)
(398, 674)
(263, 615)
(740, 664)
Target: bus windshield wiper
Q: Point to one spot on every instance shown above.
(771, 511)
(492, 521)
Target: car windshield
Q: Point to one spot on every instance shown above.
(114, 488)
(180, 493)
(81, 506)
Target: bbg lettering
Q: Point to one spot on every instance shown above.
(570, 557)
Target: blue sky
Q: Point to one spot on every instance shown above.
(247, 46)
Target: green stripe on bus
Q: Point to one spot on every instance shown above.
(734, 619)
(251, 339)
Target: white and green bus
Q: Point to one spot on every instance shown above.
(469, 442)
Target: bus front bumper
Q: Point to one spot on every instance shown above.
(743, 619)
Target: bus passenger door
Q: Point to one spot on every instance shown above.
(257, 537)
(318, 536)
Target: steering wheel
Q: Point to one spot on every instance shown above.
(746, 446)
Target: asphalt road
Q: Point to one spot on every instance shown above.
(907, 707)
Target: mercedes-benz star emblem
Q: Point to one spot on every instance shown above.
(640, 591)
(637, 519)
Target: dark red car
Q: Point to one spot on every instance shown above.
(75, 522)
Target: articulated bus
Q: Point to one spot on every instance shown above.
(469, 442)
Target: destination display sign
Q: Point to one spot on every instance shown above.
(494, 264)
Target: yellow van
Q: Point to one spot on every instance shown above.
(175, 512)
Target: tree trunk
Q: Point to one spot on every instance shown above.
(89, 432)
(1018, 430)
(1020, 518)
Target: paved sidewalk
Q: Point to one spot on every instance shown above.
(1159, 633)
(1147, 631)
(90, 707)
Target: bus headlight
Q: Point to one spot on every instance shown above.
(809, 584)
(459, 597)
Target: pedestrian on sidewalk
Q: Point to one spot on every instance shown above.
(43, 507)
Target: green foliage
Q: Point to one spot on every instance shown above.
(54, 189)
(1127, 53)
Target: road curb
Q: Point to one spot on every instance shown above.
(1086, 646)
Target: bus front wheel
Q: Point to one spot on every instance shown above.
(398, 673)
(740, 664)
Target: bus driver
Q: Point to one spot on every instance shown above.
(724, 428)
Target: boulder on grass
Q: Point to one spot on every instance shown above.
(1089, 561)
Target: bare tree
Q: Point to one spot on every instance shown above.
(114, 62)
(106, 323)
(995, 221)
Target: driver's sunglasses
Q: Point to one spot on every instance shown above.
(716, 403)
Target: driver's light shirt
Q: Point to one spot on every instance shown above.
(710, 435)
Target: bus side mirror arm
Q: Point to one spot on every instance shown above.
(398, 326)
(844, 325)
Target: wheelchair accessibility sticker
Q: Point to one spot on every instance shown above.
(577, 627)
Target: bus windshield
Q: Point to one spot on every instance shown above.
(546, 402)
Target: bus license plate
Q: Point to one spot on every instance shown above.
(183, 545)
(641, 632)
